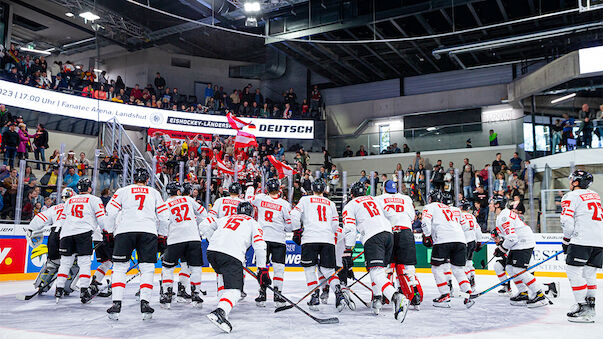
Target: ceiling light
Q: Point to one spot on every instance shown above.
(251, 22)
(32, 50)
(252, 6)
(98, 70)
(563, 98)
(69, 14)
(431, 129)
(89, 16)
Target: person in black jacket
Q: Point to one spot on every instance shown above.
(10, 141)
(5, 118)
(41, 144)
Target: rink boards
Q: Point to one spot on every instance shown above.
(16, 262)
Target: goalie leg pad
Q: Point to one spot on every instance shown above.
(71, 283)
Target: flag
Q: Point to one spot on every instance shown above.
(223, 168)
(237, 123)
(244, 139)
(283, 169)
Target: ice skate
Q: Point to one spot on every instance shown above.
(165, 300)
(58, 294)
(538, 301)
(400, 306)
(376, 304)
(182, 296)
(260, 301)
(520, 299)
(552, 289)
(218, 318)
(114, 310)
(505, 289)
(278, 300)
(196, 298)
(146, 310)
(314, 301)
(85, 295)
(442, 301)
(324, 296)
(341, 299)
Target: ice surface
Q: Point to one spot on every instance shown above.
(491, 317)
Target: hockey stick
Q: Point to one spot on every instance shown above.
(283, 308)
(486, 264)
(356, 295)
(361, 283)
(473, 296)
(333, 320)
(106, 287)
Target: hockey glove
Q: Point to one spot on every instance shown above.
(427, 241)
(161, 243)
(348, 263)
(564, 244)
(500, 251)
(297, 235)
(478, 247)
(107, 238)
(264, 277)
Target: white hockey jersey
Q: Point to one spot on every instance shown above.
(49, 218)
(273, 216)
(515, 233)
(319, 217)
(225, 206)
(83, 213)
(234, 234)
(136, 208)
(185, 216)
(399, 210)
(582, 217)
(473, 232)
(363, 214)
(441, 224)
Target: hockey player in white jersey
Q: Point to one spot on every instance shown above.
(363, 215)
(320, 221)
(518, 244)
(34, 232)
(442, 230)
(227, 206)
(582, 223)
(230, 237)
(473, 239)
(183, 241)
(273, 215)
(83, 215)
(400, 212)
(134, 212)
(499, 266)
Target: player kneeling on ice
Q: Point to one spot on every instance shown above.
(320, 221)
(582, 223)
(183, 241)
(229, 238)
(400, 212)
(363, 215)
(442, 230)
(82, 215)
(518, 245)
(135, 212)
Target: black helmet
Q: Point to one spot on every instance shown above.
(172, 188)
(435, 196)
(357, 189)
(466, 205)
(83, 185)
(235, 188)
(583, 178)
(246, 208)
(187, 188)
(499, 200)
(141, 175)
(447, 198)
(319, 186)
(273, 185)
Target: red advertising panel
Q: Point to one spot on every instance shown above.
(12, 255)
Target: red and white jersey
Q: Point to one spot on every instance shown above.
(136, 208)
(458, 216)
(473, 232)
(582, 217)
(515, 233)
(225, 207)
(49, 218)
(363, 214)
(440, 223)
(274, 217)
(399, 210)
(83, 213)
(319, 217)
(234, 234)
(185, 216)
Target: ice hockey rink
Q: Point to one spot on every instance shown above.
(490, 317)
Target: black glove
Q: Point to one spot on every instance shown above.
(500, 251)
(478, 247)
(107, 238)
(161, 243)
(297, 234)
(348, 263)
(564, 244)
(264, 277)
(427, 241)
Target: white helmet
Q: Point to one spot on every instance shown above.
(67, 193)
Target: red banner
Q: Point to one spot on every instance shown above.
(12, 255)
(170, 135)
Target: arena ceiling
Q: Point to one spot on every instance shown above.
(543, 37)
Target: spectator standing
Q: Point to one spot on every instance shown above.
(568, 127)
(586, 128)
(209, 93)
(516, 163)
(466, 181)
(5, 118)
(104, 172)
(363, 177)
(10, 195)
(23, 148)
(116, 168)
(361, 152)
(348, 153)
(258, 97)
(159, 82)
(10, 141)
(493, 137)
(585, 112)
(235, 99)
(83, 165)
(557, 131)
(334, 178)
(418, 161)
(498, 164)
(315, 100)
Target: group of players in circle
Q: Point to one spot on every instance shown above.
(137, 218)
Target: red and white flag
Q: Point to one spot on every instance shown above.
(283, 169)
(244, 139)
(237, 123)
(223, 168)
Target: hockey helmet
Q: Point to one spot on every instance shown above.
(447, 198)
(235, 188)
(583, 178)
(273, 185)
(319, 186)
(141, 175)
(172, 188)
(187, 188)
(466, 205)
(67, 193)
(390, 187)
(499, 201)
(246, 208)
(435, 196)
(83, 185)
(357, 189)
